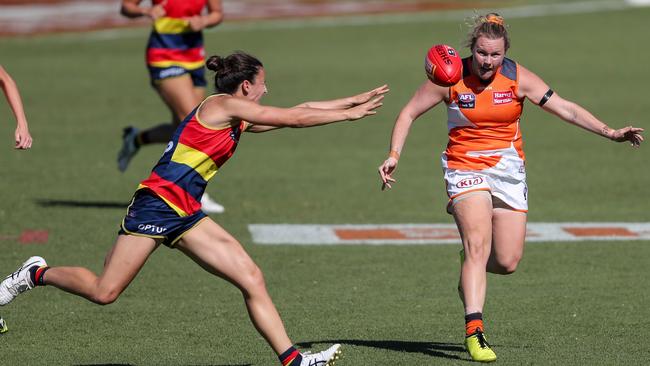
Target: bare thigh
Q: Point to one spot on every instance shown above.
(124, 261)
(219, 253)
(473, 216)
(180, 95)
(508, 237)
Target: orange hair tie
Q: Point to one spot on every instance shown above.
(494, 19)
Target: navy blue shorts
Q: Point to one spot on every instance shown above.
(148, 215)
(159, 73)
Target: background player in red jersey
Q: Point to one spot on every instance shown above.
(165, 208)
(484, 161)
(8, 85)
(175, 60)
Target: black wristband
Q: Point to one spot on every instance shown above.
(545, 97)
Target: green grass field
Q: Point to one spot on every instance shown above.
(568, 304)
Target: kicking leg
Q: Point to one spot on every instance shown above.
(508, 237)
(122, 264)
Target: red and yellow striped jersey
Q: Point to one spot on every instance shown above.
(172, 42)
(190, 160)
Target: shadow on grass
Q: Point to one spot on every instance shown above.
(103, 364)
(82, 204)
(435, 349)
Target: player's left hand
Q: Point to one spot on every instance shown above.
(23, 138)
(364, 97)
(196, 22)
(629, 133)
(386, 171)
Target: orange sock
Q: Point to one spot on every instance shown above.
(473, 322)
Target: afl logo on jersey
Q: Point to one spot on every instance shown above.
(466, 100)
(469, 182)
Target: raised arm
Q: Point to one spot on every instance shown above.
(219, 109)
(534, 88)
(425, 98)
(348, 102)
(22, 136)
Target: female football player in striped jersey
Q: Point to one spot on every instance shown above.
(175, 59)
(166, 209)
(484, 162)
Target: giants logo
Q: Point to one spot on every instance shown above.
(469, 182)
(466, 100)
(502, 97)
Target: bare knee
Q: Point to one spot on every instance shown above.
(507, 265)
(477, 248)
(105, 296)
(252, 281)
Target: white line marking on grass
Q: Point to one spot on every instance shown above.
(639, 3)
(407, 234)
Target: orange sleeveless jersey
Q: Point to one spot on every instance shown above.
(483, 119)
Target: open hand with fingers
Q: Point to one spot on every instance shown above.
(365, 109)
(629, 133)
(366, 96)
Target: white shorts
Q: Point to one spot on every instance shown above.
(506, 182)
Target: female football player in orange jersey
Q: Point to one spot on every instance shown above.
(175, 59)
(484, 162)
(8, 85)
(166, 207)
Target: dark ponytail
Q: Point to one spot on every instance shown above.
(231, 71)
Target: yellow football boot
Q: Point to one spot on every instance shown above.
(478, 348)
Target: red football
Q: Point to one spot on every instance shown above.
(443, 65)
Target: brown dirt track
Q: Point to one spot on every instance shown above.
(46, 16)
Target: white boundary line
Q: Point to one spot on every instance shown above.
(413, 234)
(527, 11)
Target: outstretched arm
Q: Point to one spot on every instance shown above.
(22, 136)
(345, 103)
(335, 104)
(425, 98)
(534, 88)
(218, 110)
